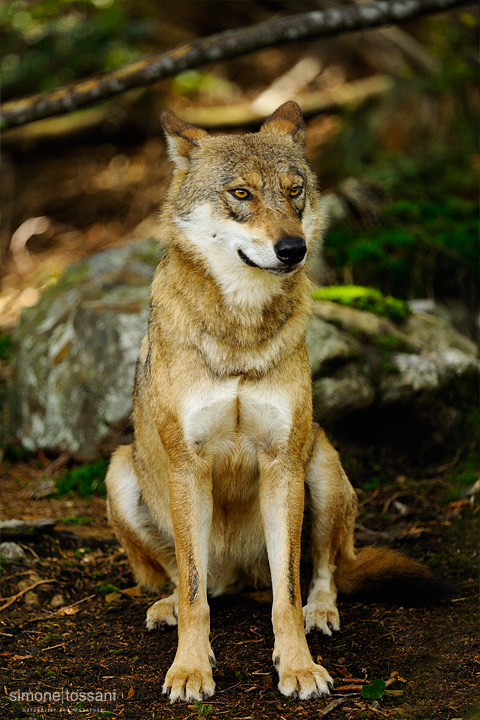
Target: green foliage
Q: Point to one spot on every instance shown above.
(105, 588)
(16, 453)
(191, 81)
(426, 244)
(84, 480)
(364, 298)
(375, 690)
(80, 552)
(52, 42)
(421, 244)
(392, 343)
(202, 709)
(5, 346)
(76, 520)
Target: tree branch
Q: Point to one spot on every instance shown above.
(220, 46)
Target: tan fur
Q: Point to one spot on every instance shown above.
(211, 492)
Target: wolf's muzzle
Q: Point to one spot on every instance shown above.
(290, 250)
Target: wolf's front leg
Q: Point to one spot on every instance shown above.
(282, 500)
(190, 676)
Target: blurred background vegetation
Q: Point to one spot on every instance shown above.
(402, 163)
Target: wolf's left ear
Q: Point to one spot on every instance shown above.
(181, 138)
(286, 120)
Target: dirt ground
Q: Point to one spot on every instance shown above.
(82, 629)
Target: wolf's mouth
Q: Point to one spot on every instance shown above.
(274, 271)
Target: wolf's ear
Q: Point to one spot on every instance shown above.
(286, 120)
(181, 138)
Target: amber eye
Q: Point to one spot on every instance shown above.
(296, 191)
(241, 193)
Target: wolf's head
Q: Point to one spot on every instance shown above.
(246, 206)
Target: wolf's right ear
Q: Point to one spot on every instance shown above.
(181, 138)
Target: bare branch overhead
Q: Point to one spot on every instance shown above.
(228, 44)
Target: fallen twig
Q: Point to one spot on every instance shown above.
(12, 598)
(331, 706)
(70, 609)
(53, 647)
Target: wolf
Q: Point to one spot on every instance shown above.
(211, 492)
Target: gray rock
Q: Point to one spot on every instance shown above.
(76, 352)
(444, 357)
(348, 390)
(13, 553)
(328, 345)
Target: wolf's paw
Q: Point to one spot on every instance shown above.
(189, 682)
(305, 683)
(321, 616)
(163, 613)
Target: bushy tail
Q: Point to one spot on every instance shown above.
(380, 573)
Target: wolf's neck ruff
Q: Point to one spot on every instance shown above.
(231, 341)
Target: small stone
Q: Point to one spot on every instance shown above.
(57, 601)
(34, 578)
(13, 553)
(31, 598)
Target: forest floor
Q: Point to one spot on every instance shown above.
(83, 628)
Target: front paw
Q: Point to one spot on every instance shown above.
(305, 683)
(321, 616)
(189, 681)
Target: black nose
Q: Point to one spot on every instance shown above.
(290, 250)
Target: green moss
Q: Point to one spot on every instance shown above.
(106, 588)
(421, 244)
(5, 346)
(16, 453)
(364, 298)
(76, 520)
(392, 343)
(85, 480)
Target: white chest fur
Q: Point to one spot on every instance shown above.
(226, 415)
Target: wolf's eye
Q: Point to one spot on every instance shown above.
(241, 193)
(296, 191)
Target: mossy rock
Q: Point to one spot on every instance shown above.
(365, 298)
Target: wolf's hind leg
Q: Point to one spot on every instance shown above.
(163, 613)
(333, 511)
(150, 549)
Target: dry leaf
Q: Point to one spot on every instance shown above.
(132, 591)
(68, 610)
